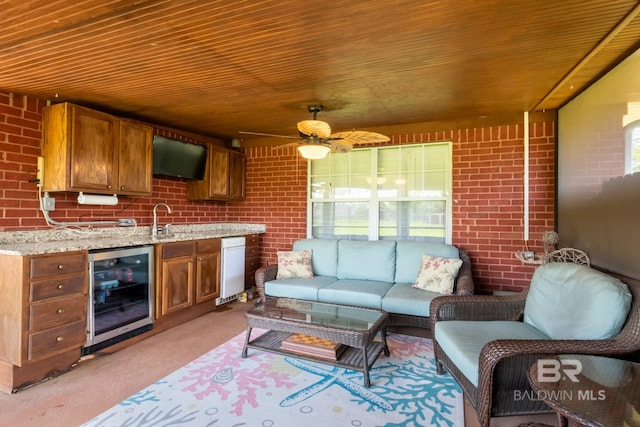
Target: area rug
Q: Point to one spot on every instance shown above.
(268, 390)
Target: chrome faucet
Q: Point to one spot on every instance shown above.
(154, 227)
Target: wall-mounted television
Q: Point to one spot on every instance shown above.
(178, 159)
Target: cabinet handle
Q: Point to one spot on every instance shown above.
(60, 311)
(122, 187)
(60, 266)
(60, 339)
(60, 285)
(109, 187)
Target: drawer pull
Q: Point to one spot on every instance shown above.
(60, 285)
(60, 266)
(60, 339)
(60, 311)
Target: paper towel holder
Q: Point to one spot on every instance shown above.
(92, 199)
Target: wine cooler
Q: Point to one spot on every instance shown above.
(120, 295)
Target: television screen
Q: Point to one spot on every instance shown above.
(177, 158)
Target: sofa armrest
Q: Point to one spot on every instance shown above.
(263, 275)
(477, 307)
(464, 281)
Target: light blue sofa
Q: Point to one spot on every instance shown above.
(375, 274)
(488, 343)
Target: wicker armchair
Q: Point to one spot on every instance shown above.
(575, 256)
(503, 364)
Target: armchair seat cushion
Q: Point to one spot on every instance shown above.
(462, 341)
(306, 289)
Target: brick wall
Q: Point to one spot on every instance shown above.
(487, 192)
(20, 135)
(488, 186)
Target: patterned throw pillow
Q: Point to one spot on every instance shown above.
(294, 264)
(437, 274)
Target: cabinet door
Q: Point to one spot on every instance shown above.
(215, 185)
(177, 284)
(135, 158)
(207, 277)
(92, 156)
(236, 175)
(218, 173)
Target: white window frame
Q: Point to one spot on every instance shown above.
(374, 201)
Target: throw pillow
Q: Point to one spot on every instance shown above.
(437, 274)
(294, 264)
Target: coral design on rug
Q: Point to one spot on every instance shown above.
(266, 389)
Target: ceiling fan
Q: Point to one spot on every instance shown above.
(316, 140)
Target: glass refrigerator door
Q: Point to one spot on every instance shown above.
(120, 291)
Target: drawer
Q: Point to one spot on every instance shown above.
(250, 281)
(252, 251)
(57, 340)
(251, 264)
(57, 287)
(58, 264)
(252, 240)
(208, 246)
(179, 249)
(56, 312)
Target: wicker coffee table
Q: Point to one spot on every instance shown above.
(354, 327)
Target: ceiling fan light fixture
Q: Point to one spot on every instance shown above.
(313, 151)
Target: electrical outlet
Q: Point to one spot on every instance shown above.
(127, 222)
(48, 204)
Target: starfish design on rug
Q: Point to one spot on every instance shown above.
(345, 378)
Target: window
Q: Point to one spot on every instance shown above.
(632, 152)
(399, 192)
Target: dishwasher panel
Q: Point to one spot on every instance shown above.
(232, 271)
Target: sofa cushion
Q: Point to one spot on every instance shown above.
(367, 260)
(409, 257)
(462, 340)
(306, 289)
(324, 258)
(571, 301)
(362, 293)
(403, 298)
(294, 264)
(437, 274)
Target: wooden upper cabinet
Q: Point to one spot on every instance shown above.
(224, 177)
(135, 158)
(87, 150)
(236, 175)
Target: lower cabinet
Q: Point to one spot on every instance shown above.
(44, 316)
(187, 274)
(252, 260)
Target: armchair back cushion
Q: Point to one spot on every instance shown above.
(324, 255)
(409, 257)
(571, 301)
(367, 260)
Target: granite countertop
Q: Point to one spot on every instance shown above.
(69, 239)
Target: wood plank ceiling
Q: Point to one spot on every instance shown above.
(218, 67)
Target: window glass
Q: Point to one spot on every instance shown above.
(399, 192)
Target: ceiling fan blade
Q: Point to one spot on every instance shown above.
(268, 134)
(359, 137)
(340, 147)
(291, 144)
(314, 127)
